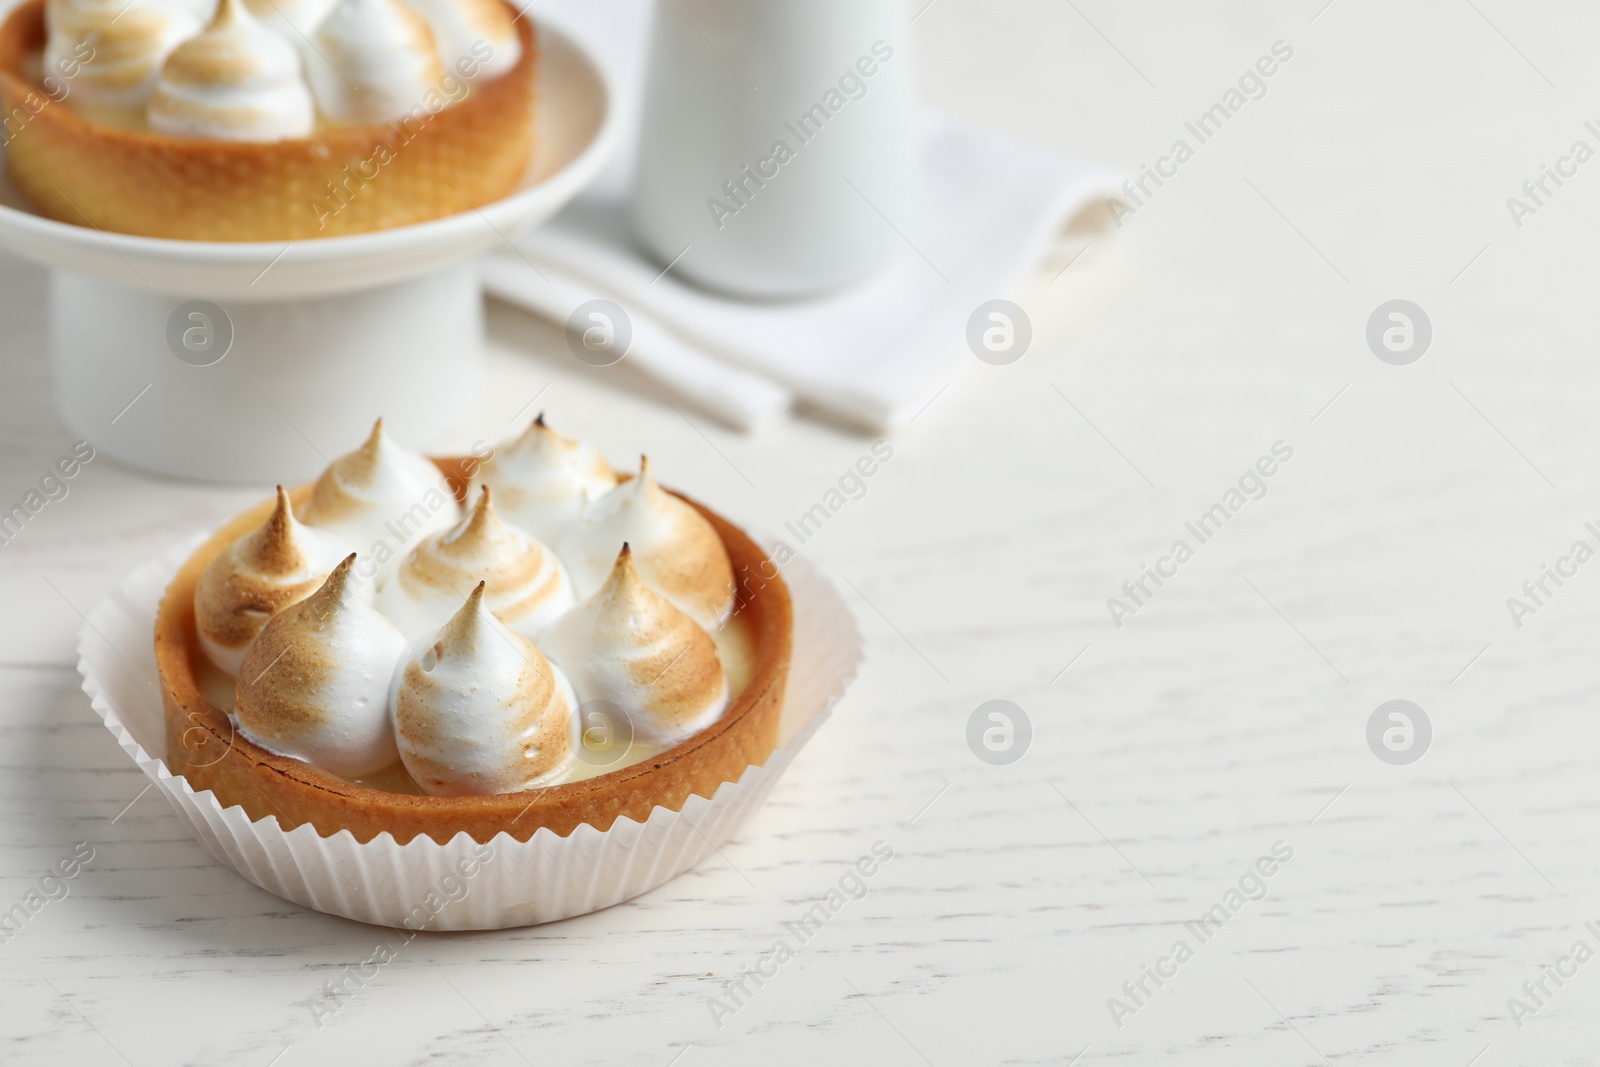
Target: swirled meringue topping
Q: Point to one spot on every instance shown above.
(381, 497)
(676, 550)
(375, 60)
(116, 47)
(629, 646)
(478, 709)
(528, 587)
(236, 80)
(476, 35)
(543, 480)
(315, 684)
(258, 576)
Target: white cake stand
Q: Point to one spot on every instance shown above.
(314, 338)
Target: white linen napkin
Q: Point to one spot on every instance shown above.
(988, 209)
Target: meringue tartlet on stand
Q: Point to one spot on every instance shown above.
(492, 680)
(256, 120)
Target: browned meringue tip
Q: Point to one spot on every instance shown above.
(226, 11)
(273, 545)
(356, 468)
(368, 452)
(624, 573)
(538, 428)
(339, 577)
(624, 580)
(482, 525)
(334, 591)
(463, 625)
(474, 600)
(282, 510)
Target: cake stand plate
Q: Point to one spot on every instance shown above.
(254, 361)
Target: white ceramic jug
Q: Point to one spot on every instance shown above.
(776, 153)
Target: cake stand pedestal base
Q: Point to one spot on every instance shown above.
(244, 391)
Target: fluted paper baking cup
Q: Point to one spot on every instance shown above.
(461, 885)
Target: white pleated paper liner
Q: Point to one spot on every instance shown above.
(462, 885)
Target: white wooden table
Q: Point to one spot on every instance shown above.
(1227, 714)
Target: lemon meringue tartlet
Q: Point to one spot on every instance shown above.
(477, 695)
(256, 120)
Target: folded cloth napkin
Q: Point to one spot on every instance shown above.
(988, 209)
(743, 400)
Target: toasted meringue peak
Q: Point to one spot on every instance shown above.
(315, 684)
(630, 646)
(375, 60)
(528, 588)
(258, 576)
(381, 498)
(477, 709)
(676, 550)
(236, 80)
(116, 47)
(476, 36)
(543, 480)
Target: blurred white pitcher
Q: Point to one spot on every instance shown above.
(776, 153)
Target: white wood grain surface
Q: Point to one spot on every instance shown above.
(1227, 314)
